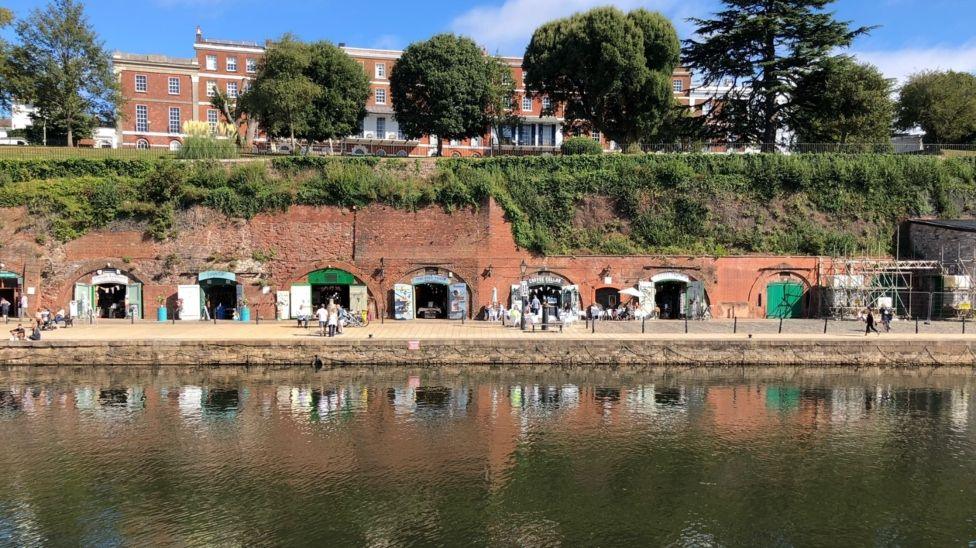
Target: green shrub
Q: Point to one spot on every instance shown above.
(201, 148)
(580, 146)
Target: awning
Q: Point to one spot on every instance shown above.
(5, 274)
(671, 277)
(331, 276)
(217, 276)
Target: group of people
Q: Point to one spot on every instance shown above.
(885, 313)
(329, 319)
(623, 311)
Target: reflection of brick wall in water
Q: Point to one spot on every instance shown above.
(379, 245)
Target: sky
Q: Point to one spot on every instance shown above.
(912, 34)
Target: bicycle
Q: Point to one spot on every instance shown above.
(354, 320)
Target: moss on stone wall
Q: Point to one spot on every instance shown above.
(615, 204)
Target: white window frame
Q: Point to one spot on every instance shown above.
(376, 95)
(546, 103)
(140, 144)
(175, 146)
(235, 87)
(143, 124)
(170, 85)
(211, 88)
(251, 65)
(144, 81)
(677, 85)
(526, 100)
(211, 62)
(213, 118)
(380, 69)
(231, 63)
(381, 131)
(178, 120)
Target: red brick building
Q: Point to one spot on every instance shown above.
(162, 92)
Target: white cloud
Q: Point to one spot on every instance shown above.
(507, 28)
(901, 63)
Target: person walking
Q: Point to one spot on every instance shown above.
(869, 322)
(886, 316)
(323, 316)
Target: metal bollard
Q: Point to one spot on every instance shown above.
(686, 324)
(257, 318)
(916, 325)
(825, 325)
(593, 326)
(643, 326)
(735, 325)
(781, 324)
(964, 325)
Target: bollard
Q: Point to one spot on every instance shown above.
(462, 319)
(643, 326)
(964, 325)
(916, 325)
(735, 325)
(257, 318)
(686, 324)
(781, 324)
(593, 326)
(929, 320)
(825, 325)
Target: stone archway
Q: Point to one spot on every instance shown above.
(107, 290)
(434, 292)
(373, 289)
(758, 292)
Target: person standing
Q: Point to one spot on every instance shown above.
(4, 308)
(869, 321)
(333, 318)
(323, 316)
(23, 305)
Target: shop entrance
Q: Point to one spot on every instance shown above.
(431, 300)
(431, 296)
(328, 284)
(111, 294)
(669, 297)
(608, 297)
(322, 294)
(220, 298)
(10, 290)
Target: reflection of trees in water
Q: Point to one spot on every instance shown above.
(604, 394)
(8, 400)
(667, 396)
(433, 396)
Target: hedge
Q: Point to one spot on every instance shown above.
(615, 204)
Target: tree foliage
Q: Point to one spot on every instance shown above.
(444, 86)
(762, 48)
(606, 68)
(843, 102)
(943, 104)
(62, 68)
(6, 18)
(343, 89)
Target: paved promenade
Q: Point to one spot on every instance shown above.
(106, 330)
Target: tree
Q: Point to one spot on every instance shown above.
(843, 102)
(762, 47)
(281, 95)
(341, 105)
(232, 111)
(6, 17)
(501, 95)
(943, 104)
(608, 69)
(443, 87)
(62, 68)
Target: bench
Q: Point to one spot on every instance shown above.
(556, 323)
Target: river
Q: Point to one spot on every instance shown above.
(500, 457)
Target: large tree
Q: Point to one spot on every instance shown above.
(943, 104)
(762, 48)
(344, 88)
(62, 68)
(444, 87)
(6, 17)
(843, 102)
(606, 68)
(282, 93)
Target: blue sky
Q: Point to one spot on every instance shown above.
(914, 34)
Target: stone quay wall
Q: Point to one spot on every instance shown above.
(714, 353)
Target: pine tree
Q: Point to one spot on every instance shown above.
(762, 48)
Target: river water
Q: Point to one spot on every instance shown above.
(389, 457)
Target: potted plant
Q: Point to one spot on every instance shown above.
(161, 310)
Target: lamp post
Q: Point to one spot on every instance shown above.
(522, 269)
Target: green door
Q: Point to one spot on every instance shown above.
(134, 295)
(784, 300)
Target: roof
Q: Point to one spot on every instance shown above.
(153, 59)
(963, 225)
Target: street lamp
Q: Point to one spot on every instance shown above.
(522, 268)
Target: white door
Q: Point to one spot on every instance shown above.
(358, 299)
(301, 300)
(283, 300)
(190, 295)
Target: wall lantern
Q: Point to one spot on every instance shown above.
(523, 267)
(488, 271)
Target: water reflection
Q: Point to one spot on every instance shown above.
(177, 457)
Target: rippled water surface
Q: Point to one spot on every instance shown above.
(491, 457)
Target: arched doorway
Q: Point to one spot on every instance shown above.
(608, 297)
(677, 296)
(108, 293)
(11, 285)
(216, 295)
(431, 293)
(325, 285)
(552, 290)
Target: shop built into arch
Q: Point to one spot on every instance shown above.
(216, 295)
(107, 293)
(553, 290)
(668, 295)
(321, 287)
(431, 293)
(11, 286)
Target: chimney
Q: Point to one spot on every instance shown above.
(199, 34)
(342, 44)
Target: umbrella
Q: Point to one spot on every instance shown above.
(631, 292)
(494, 295)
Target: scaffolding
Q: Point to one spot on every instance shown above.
(854, 284)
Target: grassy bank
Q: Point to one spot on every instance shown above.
(711, 204)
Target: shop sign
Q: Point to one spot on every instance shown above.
(546, 279)
(430, 279)
(108, 277)
(458, 301)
